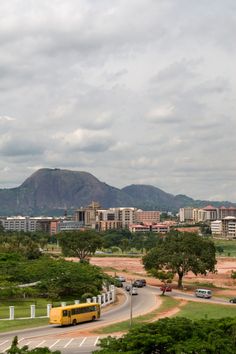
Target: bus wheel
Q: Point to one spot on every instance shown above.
(93, 318)
(74, 323)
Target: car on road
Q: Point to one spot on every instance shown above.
(138, 283)
(121, 278)
(143, 281)
(131, 289)
(134, 291)
(233, 300)
(166, 288)
(127, 287)
(204, 293)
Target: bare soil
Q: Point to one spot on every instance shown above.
(132, 268)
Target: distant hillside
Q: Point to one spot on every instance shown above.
(51, 191)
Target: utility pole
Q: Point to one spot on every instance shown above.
(131, 305)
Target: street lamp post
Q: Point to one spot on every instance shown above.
(131, 305)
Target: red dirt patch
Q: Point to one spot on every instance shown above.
(133, 268)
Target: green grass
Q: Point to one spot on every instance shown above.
(167, 304)
(196, 311)
(229, 247)
(22, 308)
(204, 285)
(14, 325)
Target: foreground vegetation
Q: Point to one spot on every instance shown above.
(175, 336)
(15, 349)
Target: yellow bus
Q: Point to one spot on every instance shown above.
(74, 314)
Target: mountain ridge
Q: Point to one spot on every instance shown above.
(52, 191)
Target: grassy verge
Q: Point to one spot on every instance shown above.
(195, 311)
(22, 308)
(167, 304)
(15, 325)
(229, 247)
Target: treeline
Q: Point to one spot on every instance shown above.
(23, 262)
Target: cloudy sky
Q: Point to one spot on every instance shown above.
(132, 91)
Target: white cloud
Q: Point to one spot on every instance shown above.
(131, 91)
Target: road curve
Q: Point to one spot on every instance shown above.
(72, 340)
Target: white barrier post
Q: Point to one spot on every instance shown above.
(32, 311)
(88, 300)
(49, 306)
(94, 298)
(100, 299)
(103, 299)
(77, 302)
(63, 303)
(12, 312)
(113, 293)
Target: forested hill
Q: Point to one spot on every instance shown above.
(52, 191)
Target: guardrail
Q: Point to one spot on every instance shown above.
(103, 299)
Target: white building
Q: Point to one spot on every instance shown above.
(216, 227)
(186, 214)
(26, 223)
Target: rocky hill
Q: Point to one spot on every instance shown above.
(52, 191)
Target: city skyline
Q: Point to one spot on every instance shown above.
(138, 92)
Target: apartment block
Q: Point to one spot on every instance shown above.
(224, 212)
(162, 228)
(151, 216)
(105, 225)
(216, 227)
(186, 214)
(229, 227)
(26, 223)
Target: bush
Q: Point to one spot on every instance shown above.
(86, 296)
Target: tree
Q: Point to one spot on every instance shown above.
(66, 279)
(175, 336)
(81, 244)
(180, 253)
(166, 278)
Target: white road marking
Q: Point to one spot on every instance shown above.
(38, 345)
(68, 342)
(54, 343)
(83, 341)
(4, 342)
(28, 342)
(95, 343)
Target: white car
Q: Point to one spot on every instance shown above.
(134, 290)
(121, 278)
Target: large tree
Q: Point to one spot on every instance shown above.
(81, 244)
(180, 253)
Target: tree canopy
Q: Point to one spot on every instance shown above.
(81, 244)
(180, 253)
(175, 336)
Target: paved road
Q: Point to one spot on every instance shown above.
(70, 340)
(71, 345)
